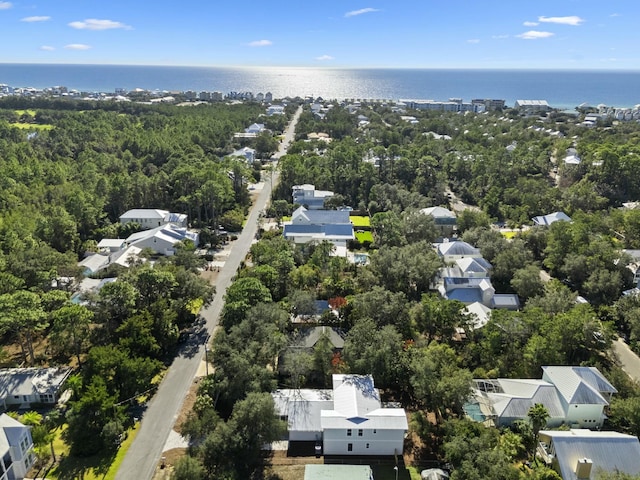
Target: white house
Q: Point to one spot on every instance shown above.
(275, 110)
(308, 196)
(444, 219)
(532, 106)
(16, 449)
(246, 153)
(452, 251)
(350, 418)
(573, 396)
(24, 386)
(582, 454)
(162, 239)
(584, 393)
(149, 218)
(255, 128)
(546, 220)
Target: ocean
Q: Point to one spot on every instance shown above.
(562, 89)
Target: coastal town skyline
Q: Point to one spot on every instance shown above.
(563, 34)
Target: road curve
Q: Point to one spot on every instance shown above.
(143, 456)
(629, 361)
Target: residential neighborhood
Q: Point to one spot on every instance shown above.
(312, 288)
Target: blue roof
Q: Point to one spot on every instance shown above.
(327, 230)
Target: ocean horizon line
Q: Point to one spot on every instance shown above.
(331, 67)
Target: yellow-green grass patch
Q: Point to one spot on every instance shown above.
(363, 237)
(102, 466)
(28, 112)
(359, 221)
(32, 126)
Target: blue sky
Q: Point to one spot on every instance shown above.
(567, 34)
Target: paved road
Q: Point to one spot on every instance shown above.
(143, 456)
(629, 360)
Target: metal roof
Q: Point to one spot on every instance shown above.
(302, 407)
(337, 472)
(150, 213)
(457, 248)
(608, 451)
(579, 385)
(30, 381)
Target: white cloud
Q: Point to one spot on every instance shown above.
(5, 5)
(499, 37)
(95, 24)
(47, 48)
(354, 13)
(534, 35)
(473, 40)
(40, 18)
(77, 46)
(260, 43)
(614, 15)
(571, 20)
(324, 58)
(530, 24)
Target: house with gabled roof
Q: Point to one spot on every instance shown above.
(23, 386)
(307, 196)
(16, 449)
(350, 418)
(246, 153)
(584, 393)
(546, 220)
(149, 218)
(453, 250)
(163, 239)
(573, 396)
(581, 454)
(444, 219)
(319, 225)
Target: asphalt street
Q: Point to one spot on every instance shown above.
(628, 360)
(143, 456)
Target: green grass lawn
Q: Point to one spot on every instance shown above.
(102, 466)
(32, 126)
(364, 237)
(28, 112)
(360, 221)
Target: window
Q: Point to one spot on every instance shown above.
(360, 432)
(367, 445)
(348, 432)
(349, 447)
(374, 430)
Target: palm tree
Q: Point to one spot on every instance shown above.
(538, 416)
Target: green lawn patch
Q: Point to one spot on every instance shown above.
(360, 221)
(32, 126)
(28, 112)
(103, 466)
(363, 237)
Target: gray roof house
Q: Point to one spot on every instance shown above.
(580, 454)
(16, 449)
(309, 197)
(318, 225)
(24, 386)
(546, 220)
(149, 218)
(162, 239)
(574, 396)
